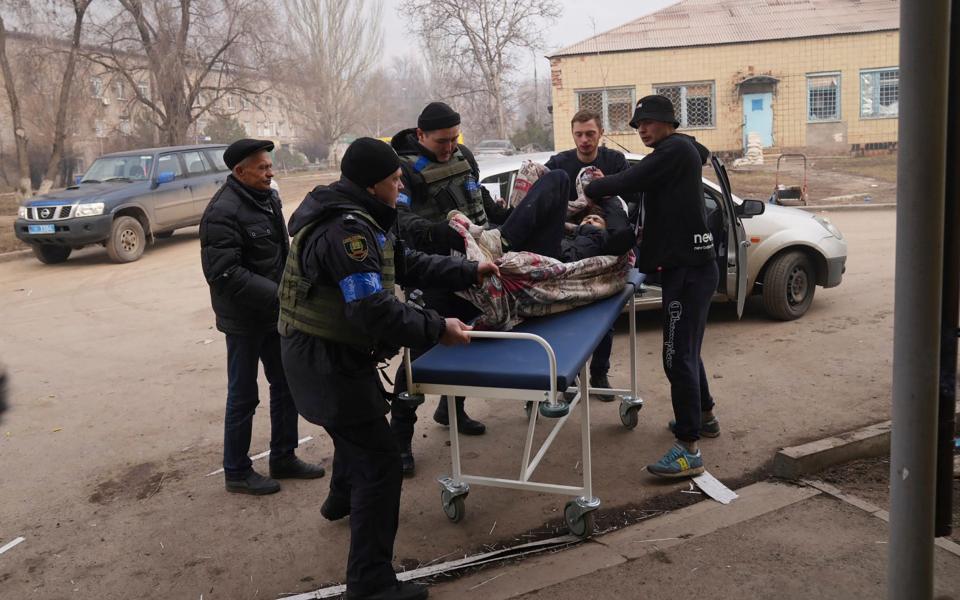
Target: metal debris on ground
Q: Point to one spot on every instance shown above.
(455, 565)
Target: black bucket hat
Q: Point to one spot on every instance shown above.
(657, 108)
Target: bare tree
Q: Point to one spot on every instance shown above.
(19, 132)
(336, 44)
(193, 53)
(488, 32)
(60, 126)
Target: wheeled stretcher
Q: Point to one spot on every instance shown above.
(542, 362)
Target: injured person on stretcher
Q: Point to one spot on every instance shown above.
(543, 270)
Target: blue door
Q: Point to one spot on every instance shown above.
(758, 117)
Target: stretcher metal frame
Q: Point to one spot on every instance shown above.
(550, 403)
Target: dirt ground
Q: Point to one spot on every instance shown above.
(869, 479)
(117, 385)
(853, 180)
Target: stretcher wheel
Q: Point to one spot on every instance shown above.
(580, 525)
(453, 506)
(528, 408)
(628, 416)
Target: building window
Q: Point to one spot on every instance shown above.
(96, 87)
(692, 103)
(244, 102)
(231, 101)
(614, 104)
(880, 93)
(125, 128)
(99, 129)
(823, 97)
(143, 89)
(118, 86)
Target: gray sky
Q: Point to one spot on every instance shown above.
(575, 25)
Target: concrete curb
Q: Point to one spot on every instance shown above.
(849, 207)
(797, 461)
(512, 580)
(15, 255)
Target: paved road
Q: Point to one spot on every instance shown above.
(118, 383)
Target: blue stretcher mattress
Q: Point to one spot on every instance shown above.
(523, 364)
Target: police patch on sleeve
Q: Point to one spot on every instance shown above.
(356, 247)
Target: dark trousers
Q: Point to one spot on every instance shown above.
(600, 363)
(366, 470)
(403, 417)
(687, 292)
(536, 224)
(243, 354)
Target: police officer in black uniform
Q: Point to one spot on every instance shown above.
(243, 247)
(586, 127)
(339, 317)
(439, 175)
(677, 243)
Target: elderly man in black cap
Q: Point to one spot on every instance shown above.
(243, 248)
(339, 318)
(676, 243)
(439, 175)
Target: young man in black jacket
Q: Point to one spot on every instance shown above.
(339, 317)
(586, 127)
(676, 242)
(243, 247)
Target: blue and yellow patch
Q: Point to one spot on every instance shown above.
(356, 247)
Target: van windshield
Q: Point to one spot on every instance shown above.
(119, 168)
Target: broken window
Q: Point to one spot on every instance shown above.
(693, 103)
(823, 97)
(880, 93)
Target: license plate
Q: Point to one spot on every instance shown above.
(42, 228)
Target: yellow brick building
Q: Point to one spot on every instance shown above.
(818, 75)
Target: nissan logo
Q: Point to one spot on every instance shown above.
(45, 213)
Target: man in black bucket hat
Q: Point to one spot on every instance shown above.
(676, 243)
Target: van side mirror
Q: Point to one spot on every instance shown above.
(165, 177)
(750, 208)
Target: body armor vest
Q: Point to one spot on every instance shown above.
(319, 309)
(450, 186)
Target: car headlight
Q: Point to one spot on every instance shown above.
(830, 227)
(22, 212)
(88, 209)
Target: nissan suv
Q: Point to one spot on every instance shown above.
(124, 201)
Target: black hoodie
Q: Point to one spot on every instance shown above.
(675, 232)
(333, 384)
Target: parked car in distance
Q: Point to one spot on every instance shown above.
(501, 147)
(788, 251)
(123, 201)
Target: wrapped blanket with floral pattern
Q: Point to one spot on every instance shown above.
(531, 285)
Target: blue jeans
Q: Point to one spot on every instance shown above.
(244, 352)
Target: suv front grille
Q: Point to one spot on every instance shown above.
(49, 213)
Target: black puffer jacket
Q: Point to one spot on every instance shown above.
(334, 384)
(243, 247)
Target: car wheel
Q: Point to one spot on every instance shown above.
(50, 254)
(162, 235)
(127, 241)
(788, 286)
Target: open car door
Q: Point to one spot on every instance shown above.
(737, 242)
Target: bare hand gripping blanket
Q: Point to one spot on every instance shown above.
(532, 285)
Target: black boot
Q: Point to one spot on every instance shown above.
(600, 381)
(407, 465)
(334, 508)
(465, 424)
(254, 484)
(291, 467)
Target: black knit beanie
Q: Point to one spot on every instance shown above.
(368, 161)
(438, 115)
